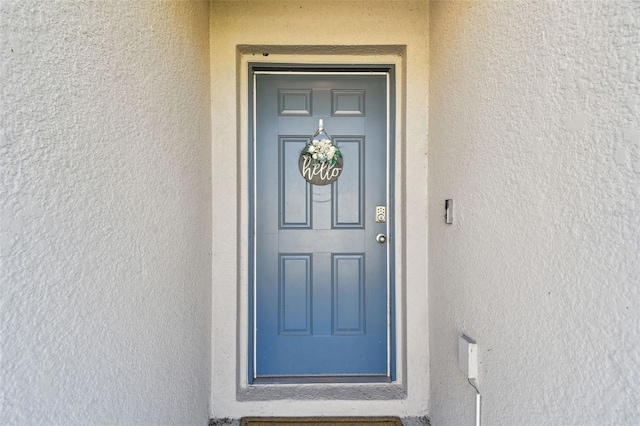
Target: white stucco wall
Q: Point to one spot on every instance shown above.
(289, 30)
(534, 134)
(105, 197)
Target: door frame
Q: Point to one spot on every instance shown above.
(326, 69)
(346, 57)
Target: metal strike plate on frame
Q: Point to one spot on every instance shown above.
(381, 214)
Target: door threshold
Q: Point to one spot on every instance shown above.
(295, 380)
(321, 421)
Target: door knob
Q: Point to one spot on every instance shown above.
(381, 238)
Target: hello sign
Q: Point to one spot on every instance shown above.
(320, 161)
(319, 173)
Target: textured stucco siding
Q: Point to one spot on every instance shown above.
(105, 205)
(313, 32)
(535, 133)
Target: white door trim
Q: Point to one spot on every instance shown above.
(390, 202)
(244, 391)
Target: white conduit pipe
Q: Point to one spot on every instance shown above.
(473, 383)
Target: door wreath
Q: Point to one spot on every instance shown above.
(320, 161)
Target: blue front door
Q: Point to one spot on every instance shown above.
(321, 291)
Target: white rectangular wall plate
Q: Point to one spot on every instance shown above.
(468, 356)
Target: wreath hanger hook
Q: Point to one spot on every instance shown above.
(321, 129)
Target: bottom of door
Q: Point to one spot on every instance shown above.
(373, 378)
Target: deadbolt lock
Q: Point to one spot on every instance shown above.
(381, 214)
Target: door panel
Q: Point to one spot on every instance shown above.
(295, 194)
(321, 280)
(348, 193)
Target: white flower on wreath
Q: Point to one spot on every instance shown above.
(322, 151)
